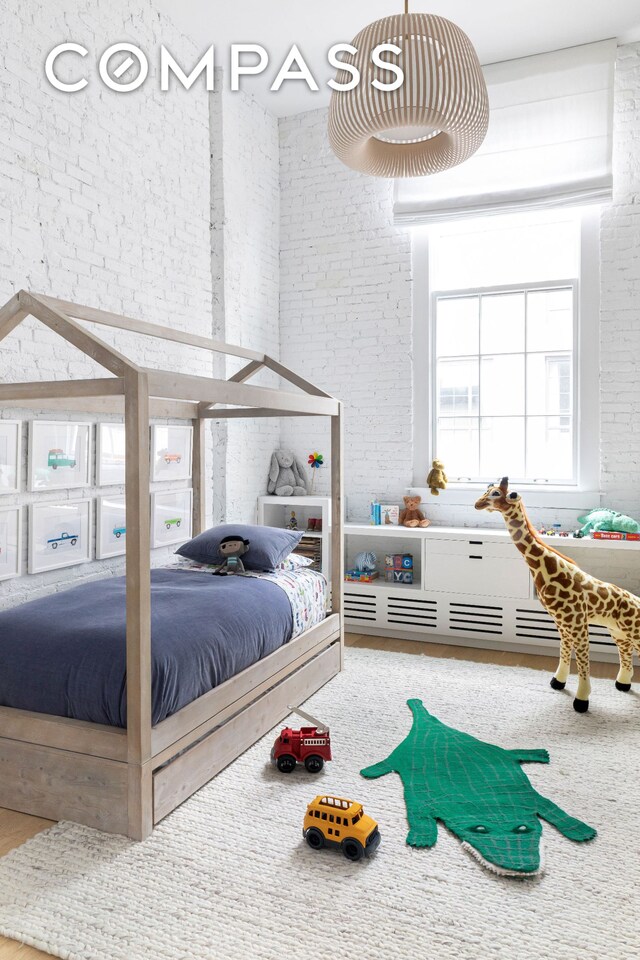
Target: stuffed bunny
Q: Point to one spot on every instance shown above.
(286, 475)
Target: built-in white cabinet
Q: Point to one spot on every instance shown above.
(475, 567)
(471, 587)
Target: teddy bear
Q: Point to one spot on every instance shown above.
(437, 479)
(411, 516)
(286, 475)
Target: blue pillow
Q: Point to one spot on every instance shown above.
(268, 546)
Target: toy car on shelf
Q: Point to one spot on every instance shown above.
(335, 822)
(308, 745)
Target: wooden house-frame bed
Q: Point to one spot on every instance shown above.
(126, 780)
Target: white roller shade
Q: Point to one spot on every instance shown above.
(549, 141)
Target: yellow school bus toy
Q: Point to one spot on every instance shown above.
(334, 822)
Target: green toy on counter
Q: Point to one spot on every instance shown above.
(602, 519)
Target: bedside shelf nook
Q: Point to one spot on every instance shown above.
(276, 512)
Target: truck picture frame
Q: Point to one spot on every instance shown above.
(60, 534)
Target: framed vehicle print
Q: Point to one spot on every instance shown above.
(58, 454)
(10, 543)
(110, 454)
(59, 534)
(111, 528)
(170, 517)
(10, 455)
(171, 452)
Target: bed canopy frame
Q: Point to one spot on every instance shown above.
(126, 780)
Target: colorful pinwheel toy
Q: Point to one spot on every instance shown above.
(315, 461)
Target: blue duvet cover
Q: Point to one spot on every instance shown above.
(65, 654)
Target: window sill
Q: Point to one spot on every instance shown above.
(466, 494)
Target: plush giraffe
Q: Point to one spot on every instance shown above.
(572, 597)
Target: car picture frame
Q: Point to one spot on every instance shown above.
(59, 455)
(171, 516)
(110, 454)
(171, 452)
(111, 527)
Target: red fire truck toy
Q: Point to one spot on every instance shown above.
(309, 745)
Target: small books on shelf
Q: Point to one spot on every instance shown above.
(614, 535)
(384, 514)
(361, 576)
(310, 547)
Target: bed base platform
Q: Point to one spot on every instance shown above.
(64, 769)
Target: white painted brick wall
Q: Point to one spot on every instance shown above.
(620, 298)
(345, 310)
(245, 270)
(104, 199)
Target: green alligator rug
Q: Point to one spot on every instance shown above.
(479, 791)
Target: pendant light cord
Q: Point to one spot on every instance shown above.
(406, 6)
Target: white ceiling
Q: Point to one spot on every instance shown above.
(499, 30)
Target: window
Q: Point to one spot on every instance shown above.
(507, 316)
(504, 375)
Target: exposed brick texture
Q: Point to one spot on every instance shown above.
(620, 298)
(104, 200)
(345, 310)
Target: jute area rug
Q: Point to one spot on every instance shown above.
(228, 877)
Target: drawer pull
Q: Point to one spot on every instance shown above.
(475, 557)
(476, 543)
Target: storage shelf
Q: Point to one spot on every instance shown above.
(364, 529)
(382, 585)
(562, 544)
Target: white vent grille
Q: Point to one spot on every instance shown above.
(410, 612)
(476, 618)
(538, 625)
(361, 606)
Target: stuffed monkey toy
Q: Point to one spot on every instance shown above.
(437, 479)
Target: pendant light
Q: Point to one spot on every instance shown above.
(437, 119)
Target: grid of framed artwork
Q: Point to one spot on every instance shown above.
(60, 457)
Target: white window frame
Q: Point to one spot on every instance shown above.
(586, 413)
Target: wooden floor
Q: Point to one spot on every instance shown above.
(15, 828)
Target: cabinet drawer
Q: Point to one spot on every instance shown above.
(473, 546)
(477, 575)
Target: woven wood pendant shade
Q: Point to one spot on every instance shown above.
(437, 119)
